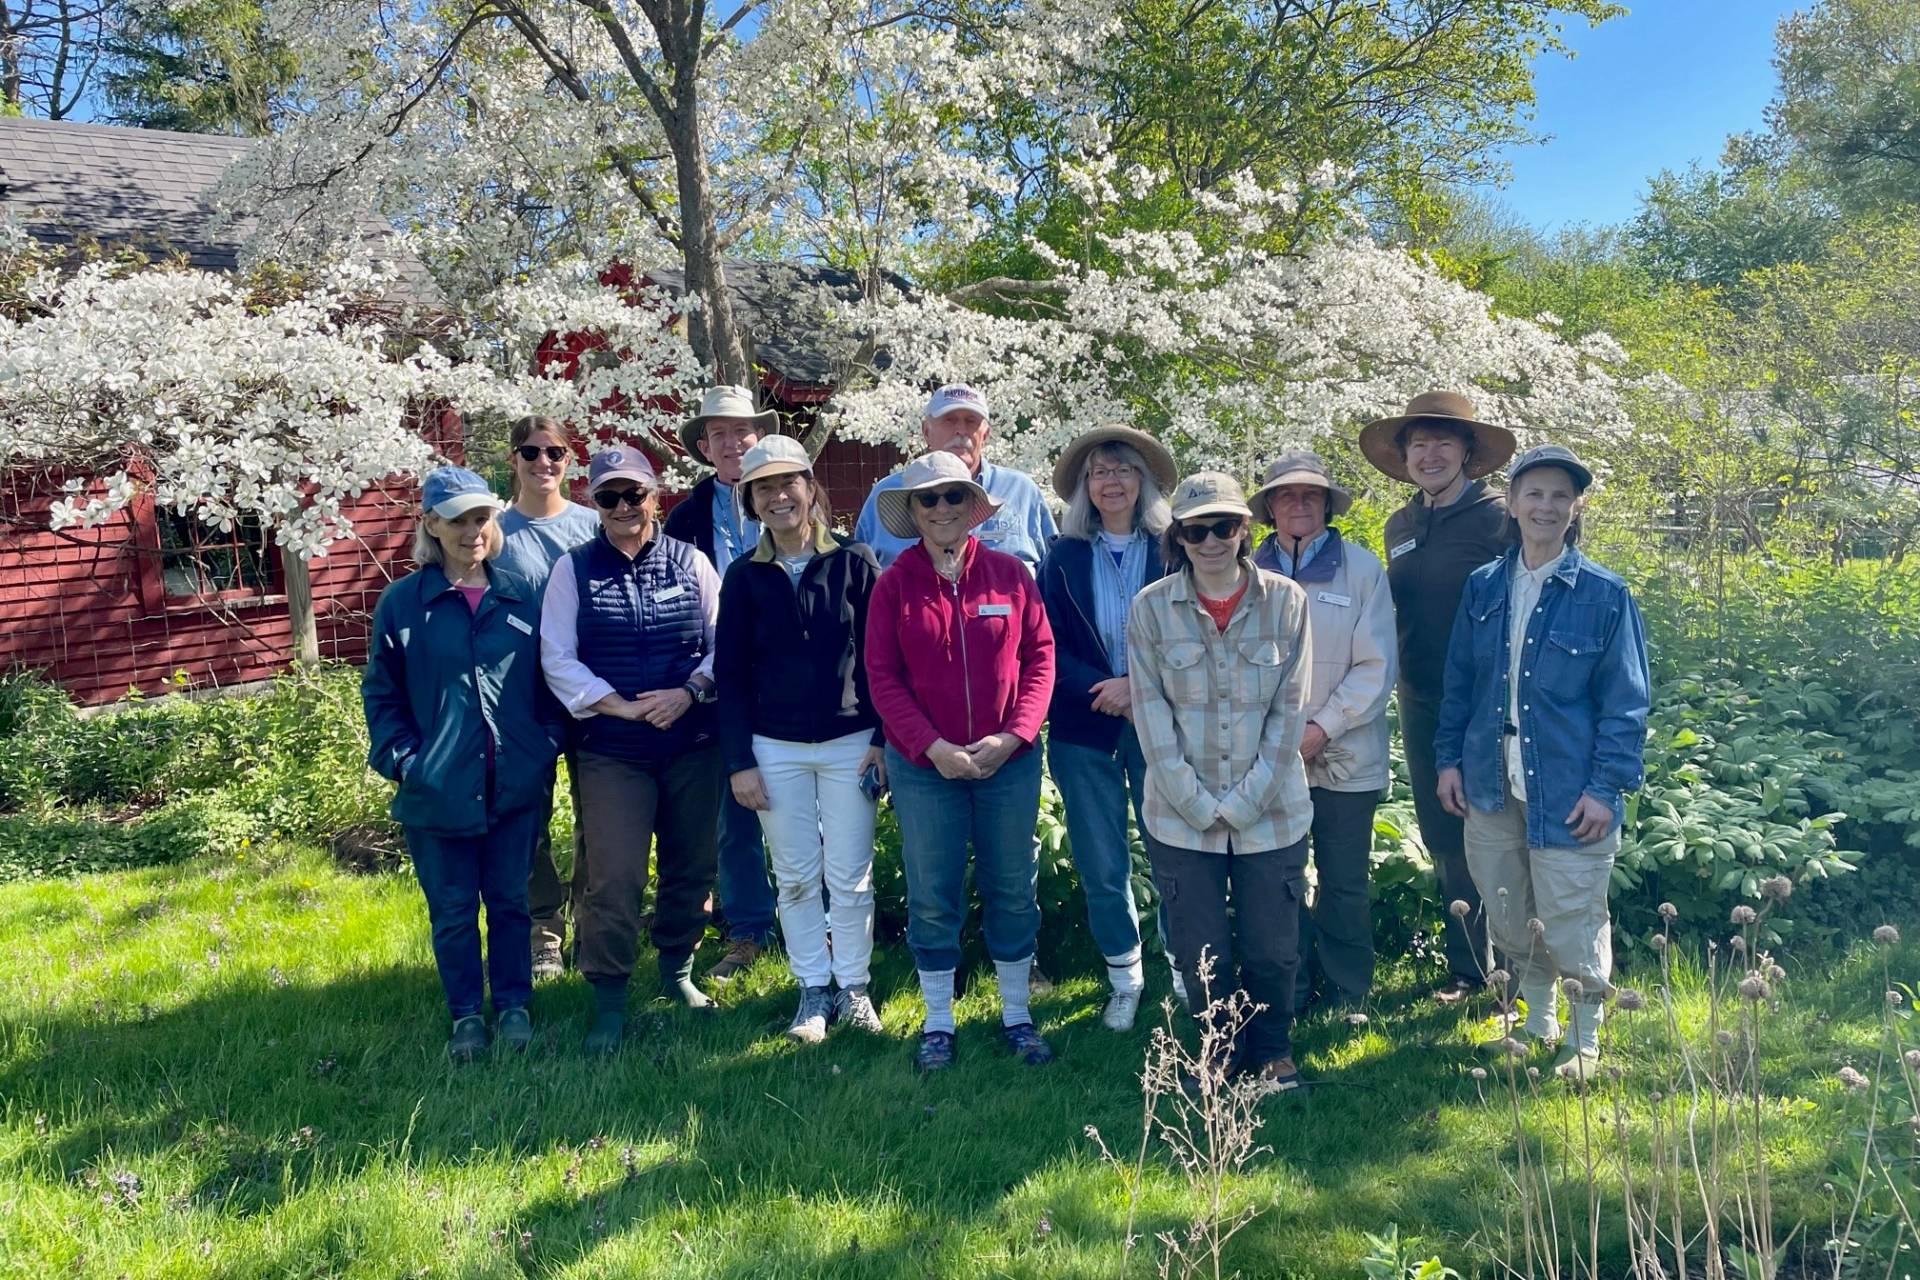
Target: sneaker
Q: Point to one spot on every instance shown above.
(1278, 1075)
(1576, 1065)
(1024, 1043)
(547, 961)
(515, 1029)
(1122, 1006)
(853, 1006)
(469, 1039)
(811, 1018)
(741, 953)
(936, 1052)
(1456, 989)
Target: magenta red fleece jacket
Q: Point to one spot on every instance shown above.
(958, 660)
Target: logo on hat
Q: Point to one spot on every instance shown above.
(614, 457)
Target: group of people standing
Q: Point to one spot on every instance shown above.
(738, 689)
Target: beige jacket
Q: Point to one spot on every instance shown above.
(1219, 715)
(1356, 657)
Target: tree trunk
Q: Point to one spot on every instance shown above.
(306, 630)
(711, 328)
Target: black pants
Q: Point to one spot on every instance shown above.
(1336, 936)
(1261, 937)
(550, 900)
(1445, 839)
(624, 805)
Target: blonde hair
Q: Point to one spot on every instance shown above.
(426, 547)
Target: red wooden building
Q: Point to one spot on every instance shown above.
(149, 596)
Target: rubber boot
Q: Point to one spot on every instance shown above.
(676, 981)
(609, 1016)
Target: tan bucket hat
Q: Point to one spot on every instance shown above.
(1492, 445)
(1210, 493)
(1066, 472)
(724, 402)
(1300, 466)
(929, 471)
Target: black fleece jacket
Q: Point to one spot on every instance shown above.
(1430, 553)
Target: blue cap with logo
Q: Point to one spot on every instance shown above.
(621, 463)
(450, 492)
(1551, 455)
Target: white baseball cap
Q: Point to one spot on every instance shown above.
(956, 395)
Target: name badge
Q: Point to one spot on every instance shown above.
(1402, 549)
(673, 592)
(1328, 597)
(520, 624)
(994, 611)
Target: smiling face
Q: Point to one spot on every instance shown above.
(783, 503)
(544, 475)
(726, 442)
(1298, 511)
(463, 539)
(1215, 555)
(943, 526)
(626, 521)
(961, 432)
(1435, 458)
(1113, 485)
(1544, 502)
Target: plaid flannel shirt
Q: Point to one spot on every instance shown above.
(1219, 715)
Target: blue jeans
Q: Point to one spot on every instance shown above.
(1096, 786)
(746, 890)
(457, 874)
(938, 817)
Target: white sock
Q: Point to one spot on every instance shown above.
(1013, 990)
(1126, 973)
(937, 986)
(1543, 1003)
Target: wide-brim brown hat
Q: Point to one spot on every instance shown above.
(1066, 472)
(936, 470)
(724, 402)
(1492, 446)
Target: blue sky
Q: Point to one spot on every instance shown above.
(1652, 90)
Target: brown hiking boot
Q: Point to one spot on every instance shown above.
(1278, 1075)
(741, 954)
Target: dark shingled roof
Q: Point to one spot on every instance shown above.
(145, 187)
(783, 327)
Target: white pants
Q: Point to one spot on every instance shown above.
(820, 829)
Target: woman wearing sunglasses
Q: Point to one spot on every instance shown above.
(627, 637)
(1219, 662)
(541, 526)
(960, 665)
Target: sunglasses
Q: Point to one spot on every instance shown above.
(1225, 530)
(956, 497)
(532, 452)
(608, 499)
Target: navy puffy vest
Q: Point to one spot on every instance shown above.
(637, 632)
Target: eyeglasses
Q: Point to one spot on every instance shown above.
(1226, 530)
(608, 499)
(532, 452)
(955, 497)
(1124, 471)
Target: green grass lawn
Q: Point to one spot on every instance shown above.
(236, 1068)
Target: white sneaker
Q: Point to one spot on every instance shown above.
(1576, 1065)
(811, 1018)
(1121, 1008)
(1180, 991)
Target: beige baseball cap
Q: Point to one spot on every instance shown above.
(1210, 493)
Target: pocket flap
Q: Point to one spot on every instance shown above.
(1573, 644)
(1261, 653)
(1186, 654)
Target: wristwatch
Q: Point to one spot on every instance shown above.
(699, 692)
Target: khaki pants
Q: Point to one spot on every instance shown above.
(1564, 888)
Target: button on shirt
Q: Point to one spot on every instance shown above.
(1523, 599)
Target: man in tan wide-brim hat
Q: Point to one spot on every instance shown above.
(1452, 525)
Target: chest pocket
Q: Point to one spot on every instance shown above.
(1257, 677)
(1570, 661)
(1187, 678)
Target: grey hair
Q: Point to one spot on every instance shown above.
(1150, 511)
(426, 547)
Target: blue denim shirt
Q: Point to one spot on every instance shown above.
(1583, 701)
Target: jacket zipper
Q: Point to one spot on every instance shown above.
(966, 669)
(1095, 631)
